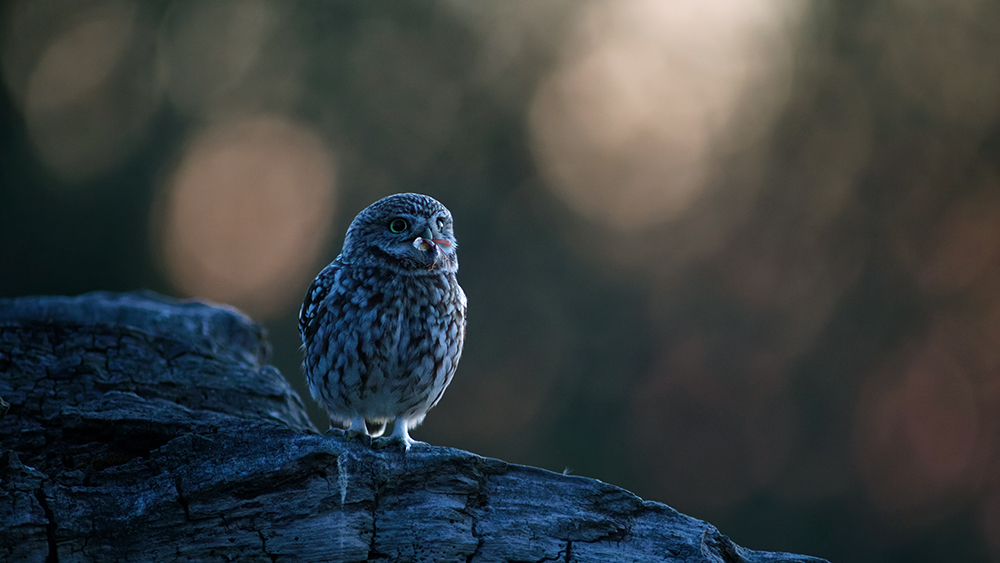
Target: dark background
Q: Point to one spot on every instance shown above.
(737, 256)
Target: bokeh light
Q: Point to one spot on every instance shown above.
(941, 56)
(207, 50)
(650, 95)
(916, 432)
(81, 74)
(247, 213)
(965, 246)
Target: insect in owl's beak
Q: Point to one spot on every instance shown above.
(423, 244)
(429, 251)
(432, 249)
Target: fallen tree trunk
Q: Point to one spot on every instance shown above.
(146, 429)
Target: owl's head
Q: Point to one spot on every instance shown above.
(407, 233)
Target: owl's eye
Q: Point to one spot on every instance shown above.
(440, 224)
(398, 225)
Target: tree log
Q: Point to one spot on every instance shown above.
(142, 428)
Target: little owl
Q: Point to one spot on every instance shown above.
(383, 325)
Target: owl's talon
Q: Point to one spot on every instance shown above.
(358, 431)
(400, 437)
(396, 442)
(363, 437)
(380, 443)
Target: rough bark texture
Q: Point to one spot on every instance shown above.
(146, 429)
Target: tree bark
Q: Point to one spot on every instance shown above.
(143, 428)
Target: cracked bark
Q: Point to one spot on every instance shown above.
(146, 429)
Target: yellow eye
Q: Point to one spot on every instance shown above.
(398, 225)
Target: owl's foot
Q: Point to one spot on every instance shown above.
(400, 437)
(394, 442)
(358, 431)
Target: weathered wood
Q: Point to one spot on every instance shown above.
(147, 429)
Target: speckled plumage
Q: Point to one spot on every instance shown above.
(383, 325)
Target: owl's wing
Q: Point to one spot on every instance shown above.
(319, 289)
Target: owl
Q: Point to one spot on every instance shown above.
(384, 324)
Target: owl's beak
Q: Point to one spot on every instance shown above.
(432, 251)
(428, 235)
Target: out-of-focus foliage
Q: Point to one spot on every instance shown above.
(739, 256)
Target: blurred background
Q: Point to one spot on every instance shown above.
(738, 256)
